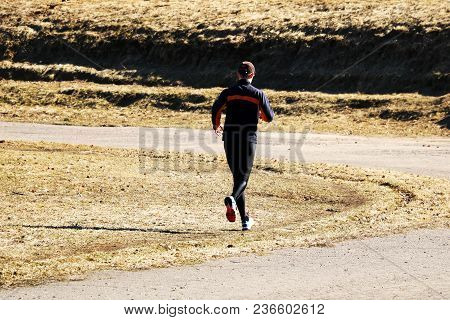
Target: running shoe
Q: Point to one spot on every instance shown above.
(247, 224)
(230, 203)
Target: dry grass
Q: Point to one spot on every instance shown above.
(67, 210)
(277, 18)
(295, 44)
(181, 45)
(90, 104)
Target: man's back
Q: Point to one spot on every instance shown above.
(244, 105)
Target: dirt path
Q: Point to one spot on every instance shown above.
(425, 156)
(411, 266)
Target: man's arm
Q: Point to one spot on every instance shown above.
(266, 112)
(217, 109)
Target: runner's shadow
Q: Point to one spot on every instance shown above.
(231, 230)
(78, 227)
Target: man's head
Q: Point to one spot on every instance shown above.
(246, 70)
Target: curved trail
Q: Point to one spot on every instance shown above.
(411, 266)
(425, 156)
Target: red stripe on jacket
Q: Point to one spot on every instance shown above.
(245, 98)
(219, 114)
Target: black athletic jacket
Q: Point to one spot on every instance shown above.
(244, 105)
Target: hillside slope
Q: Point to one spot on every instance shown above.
(295, 45)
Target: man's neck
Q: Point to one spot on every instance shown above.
(245, 80)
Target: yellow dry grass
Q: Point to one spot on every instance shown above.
(275, 17)
(164, 30)
(68, 210)
(90, 104)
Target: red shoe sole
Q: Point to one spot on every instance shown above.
(231, 215)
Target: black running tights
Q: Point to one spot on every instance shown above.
(240, 155)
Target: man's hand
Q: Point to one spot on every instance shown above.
(218, 130)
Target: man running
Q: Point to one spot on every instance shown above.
(244, 105)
